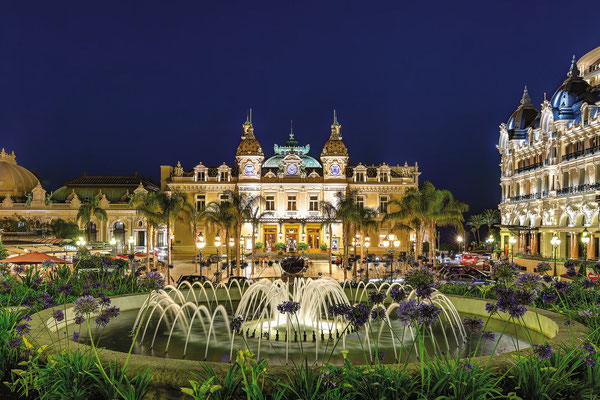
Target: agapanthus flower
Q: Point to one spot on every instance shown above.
(13, 343)
(427, 314)
(236, 324)
(378, 314)
(570, 267)
(376, 297)
(466, 366)
(397, 294)
(525, 297)
(102, 319)
(26, 317)
(550, 297)
(491, 308)
(79, 319)
(86, 305)
(543, 351)
(589, 361)
(528, 281)
(66, 289)
(339, 310)
(547, 278)
(487, 335)
(561, 286)
(505, 272)
(407, 312)
(75, 337)
(58, 315)
(38, 280)
(112, 312)
(424, 291)
(104, 301)
(358, 315)
(422, 280)
(22, 329)
(472, 324)
(543, 267)
(152, 280)
(18, 269)
(289, 307)
(587, 346)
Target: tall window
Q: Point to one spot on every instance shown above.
(313, 203)
(201, 176)
(383, 204)
(200, 202)
(359, 177)
(224, 176)
(270, 203)
(383, 177)
(360, 201)
(291, 202)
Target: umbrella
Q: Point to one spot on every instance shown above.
(34, 258)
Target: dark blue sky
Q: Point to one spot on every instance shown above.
(118, 87)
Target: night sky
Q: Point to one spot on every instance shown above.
(120, 87)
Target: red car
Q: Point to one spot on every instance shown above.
(469, 259)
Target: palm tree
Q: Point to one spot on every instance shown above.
(148, 206)
(329, 217)
(348, 213)
(172, 207)
(195, 218)
(447, 212)
(475, 221)
(241, 207)
(367, 223)
(89, 210)
(490, 217)
(254, 217)
(220, 217)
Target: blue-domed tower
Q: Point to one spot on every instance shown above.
(567, 99)
(525, 116)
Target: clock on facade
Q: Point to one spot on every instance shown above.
(334, 169)
(292, 169)
(249, 169)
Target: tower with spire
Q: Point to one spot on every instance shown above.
(334, 156)
(249, 155)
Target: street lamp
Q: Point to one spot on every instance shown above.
(490, 242)
(218, 246)
(459, 239)
(130, 244)
(200, 243)
(555, 242)
(512, 240)
(391, 243)
(367, 244)
(585, 239)
(113, 242)
(80, 241)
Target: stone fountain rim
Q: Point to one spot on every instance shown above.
(176, 372)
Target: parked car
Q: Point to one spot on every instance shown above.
(463, 274)
(469, 259)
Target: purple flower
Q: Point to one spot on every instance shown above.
(104, 301)
(27, 318)
(102, 320)
(528, 282)
(14, 342)
(466, 366)
(570, 267)
(398, 294)
(427, 314)
(58, 315)
(587, 346)
(75, 337)
(339, 310)
(561, 286)
(547, 278)
(358, 316)
(66, 289)
(567, 323)
(378, 314)
(79, 319)
(472, 324)
(407, 312)
(543, 351)
(288, 307)
(424, 291)
(376, 297)
(543, 267)
(18, 269)
(22, 329)
(491, 308)
(152, 280)
(550, 297)
(589, 361)
(487, 335)
(112, 312)
(236, 324)
(85, 305)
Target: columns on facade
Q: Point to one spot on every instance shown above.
(591, 247)
(574, 247)
(534, 244)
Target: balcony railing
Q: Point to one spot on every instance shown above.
(581, 153)
(527, 168)
(532, 196)
(588, 187)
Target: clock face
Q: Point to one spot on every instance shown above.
(249, 169)
(292, 169)
(334, 169)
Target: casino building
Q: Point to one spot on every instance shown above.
(293, 183)
(550, 168)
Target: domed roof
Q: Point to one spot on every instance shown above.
(524, 117)
(567, 98)
(291, 147)
(15, 180)
(249, 145)
(276, 160)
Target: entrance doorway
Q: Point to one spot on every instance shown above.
(314, 235)
(291, 239)
(270, 238)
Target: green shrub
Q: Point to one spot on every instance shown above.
(323, 246)
(258, 245)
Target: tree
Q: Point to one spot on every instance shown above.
(195, 218)
(475, 221)
(220, 217)
(89, 210)
(348, 213)
(254, 217)
(148, 206)
(171, 207)
(329, 217)
(366, 224)
(61, 229)
(3, 251)
(490, 217)
(241, 208)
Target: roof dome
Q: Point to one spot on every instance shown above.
(291, 147)
(524, 117)
(249, 145)
(334, 145)
(15, 180)
(567, 98)
(277, 160)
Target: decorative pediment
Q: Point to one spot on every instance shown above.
(178, 171)
(7, 202)
(75, 202)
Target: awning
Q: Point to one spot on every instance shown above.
(34, 258)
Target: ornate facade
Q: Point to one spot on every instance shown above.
(550, 167)
(22, 196)
(292, 184)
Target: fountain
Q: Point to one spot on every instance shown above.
(199, 305)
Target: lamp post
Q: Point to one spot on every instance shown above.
(490, 242)
(585, 239)
(231, 244)
(512, 240)
(131, 244)
(459, 240)
(218, 246)
(367, 244)
(391, 243)
(200, 244)
(555, 242)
